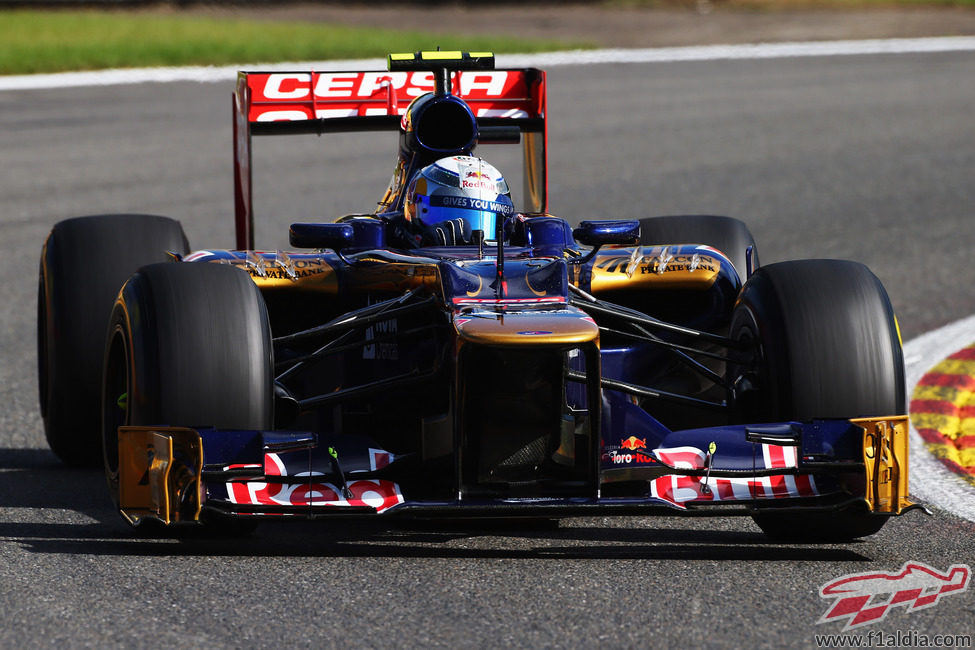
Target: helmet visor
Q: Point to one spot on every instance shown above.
(480, 214)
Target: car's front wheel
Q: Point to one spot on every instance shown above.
(827, 347)
(189, 345)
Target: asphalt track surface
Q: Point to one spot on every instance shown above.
(869, 158)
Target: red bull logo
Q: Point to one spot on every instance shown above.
(475, 178)
(633, 443)
(864, 598)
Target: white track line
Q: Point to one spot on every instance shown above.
(749, 51)
(211, 74)
(930, 481)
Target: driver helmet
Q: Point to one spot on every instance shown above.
(459, 187)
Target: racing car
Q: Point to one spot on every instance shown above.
(449, 355)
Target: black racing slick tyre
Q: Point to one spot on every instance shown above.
(828, 347)
(189, 345)
(828, 341)
(729, 235)
(83, 265)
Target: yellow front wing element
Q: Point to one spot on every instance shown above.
(159, 473)
(885, 447)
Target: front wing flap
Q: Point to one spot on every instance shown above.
(865, 458)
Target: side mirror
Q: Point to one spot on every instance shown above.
(601, 233)
(322, 235)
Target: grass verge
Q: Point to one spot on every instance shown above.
(55, 41)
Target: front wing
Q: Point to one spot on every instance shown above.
(177, 474)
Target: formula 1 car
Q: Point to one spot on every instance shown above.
(647, 366)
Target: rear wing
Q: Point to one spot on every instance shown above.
(509, 106)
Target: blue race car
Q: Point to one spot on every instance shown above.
(452, 354)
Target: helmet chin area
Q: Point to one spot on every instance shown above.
(484, 221)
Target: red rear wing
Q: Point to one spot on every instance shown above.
(273, 103)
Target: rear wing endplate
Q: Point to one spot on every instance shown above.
(279, 103)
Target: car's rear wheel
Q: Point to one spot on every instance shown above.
(189, 345)
(727, 234)
(828, 347)
(83, 265)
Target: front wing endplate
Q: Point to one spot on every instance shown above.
(885, 449)
(159, 473)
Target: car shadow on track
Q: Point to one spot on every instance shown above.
(55, 509)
